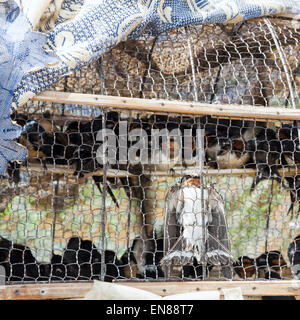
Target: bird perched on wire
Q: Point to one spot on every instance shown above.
(289, 137)
(270, 261)
(195, 226)
(245, 267)
(294, 256)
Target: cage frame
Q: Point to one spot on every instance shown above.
(249, 288)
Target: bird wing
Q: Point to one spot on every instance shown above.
(218, 244)
(184, 238)
(171, 228)
(183, 226)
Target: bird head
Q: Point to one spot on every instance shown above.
(225, 146)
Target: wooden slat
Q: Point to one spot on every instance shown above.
(249, 288)
(177, 107)
(44, 291)
(79, 290)
(111, 173)
(287, 15)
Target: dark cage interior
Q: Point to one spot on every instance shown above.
(120, 195)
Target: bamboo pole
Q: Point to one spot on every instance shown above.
(169, 106)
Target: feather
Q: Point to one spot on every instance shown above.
(187, 234)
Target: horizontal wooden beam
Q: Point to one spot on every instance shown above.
(112, 173)
(45, 291)
(249, 288)
(286, 15)
(169, 106)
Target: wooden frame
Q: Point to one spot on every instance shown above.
(46, 291)
(78, 290)
(169, 106)
(112, 173)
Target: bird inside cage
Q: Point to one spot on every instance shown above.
(143, 258)
(265, 151)
(144, 261)
(82, 135)
(290, 157)
(19, 263)
(270, 261)
(74, 147)
(195, 227)
(163, 145)
(81, 260)
(233, 144)
(245, 267)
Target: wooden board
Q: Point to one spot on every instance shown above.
(44, 291)
(167, 106)
(249, 288)
(111, 173)
(47, 291)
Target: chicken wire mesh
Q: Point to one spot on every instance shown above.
(66, 216)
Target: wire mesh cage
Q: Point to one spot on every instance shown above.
(67, 214)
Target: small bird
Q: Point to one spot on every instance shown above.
(161, 149)
(81, 260)
(228, 153)
(245, 267)
(18, 261)
(265, 149)
(144, 259)
(226, 142)
(270, 261)
(195, 271)
(44, 141)
(294, 256)
(290, 157)
(81, 150)
(192, 231)
(288, 135)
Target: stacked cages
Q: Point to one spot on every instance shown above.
(67, 216)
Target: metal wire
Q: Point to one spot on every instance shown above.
(247, 65)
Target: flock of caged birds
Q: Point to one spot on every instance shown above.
(228, 144)
(81, 260)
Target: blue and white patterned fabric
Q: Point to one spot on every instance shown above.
(20, 53)
(80, 31)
